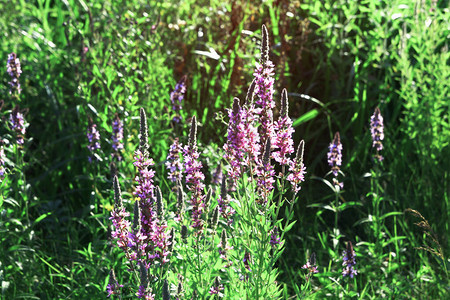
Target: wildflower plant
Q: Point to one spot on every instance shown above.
(349, 261)
(117, 138)
(377, 132)
(224, 243)
(14, 70)
(93, 136)
(177, 97)
(18, 125)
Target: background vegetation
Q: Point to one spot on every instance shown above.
(338, 59)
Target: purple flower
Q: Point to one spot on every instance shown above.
(224, 248)
(264, 89)
(159, 237)
(180, 203)
(247, 260)
(252, 138)
(117, 138)
(118, 218)
(297, 169)
(265, 173)
(113, 286)
(17, 123)
(177, 96)
(14, 70)
(311, 265)
(217, 175)
(2, 162)
(234, 148)
(144, 292)
(335, 154)
(377, 131)
(144, 178)
(173, 162)
(94, 140)
(145, 191)
(217, 287)
(226, 211)
(194, 177)
(283, 139)
(275, 237)
(349, 261)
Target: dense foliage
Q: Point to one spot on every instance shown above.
(361, 86)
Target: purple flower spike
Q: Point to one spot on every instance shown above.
(194, 177)
(265, 173)
(144, 292)
(335, 154)
(118, 218)
(117, 138)
(226, 211)
(297, 169)
(311, 264)
(264, 88)
(17, 123)
(2, 162)
(283, 139)
(224, 248)
(349, 261)
(275, 237)
(173, 162)
(14, 70)
(113, 286)
(217, 288)
(234, 148)
(177, 96)
(247, 261)
(377, 131)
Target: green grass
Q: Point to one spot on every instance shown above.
(337, 59)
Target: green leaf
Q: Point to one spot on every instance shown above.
(306, 117)
(289, 227)
(42, 217)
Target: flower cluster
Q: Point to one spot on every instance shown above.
(180, 203)
(335, 154)
(160, 239)
(217, 288)
(349, 261)
(311, 266)
(223, 201)
(113, 286)
(224, 248)
(263, 74)
(283, 139)
(119, 219)
(144, 179)
(117, 138)
(234, 148)
(173, 162)
(94, 140)
(297, 169)
(2, 162)
(247, 260)
(147, 240)
(17, 123)
(377, 131)
(144, 292)
(265, 173)
(274, 237)
(14, 70)
(252, 138)
(194, 177)
(177, 96)
(335, 158)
